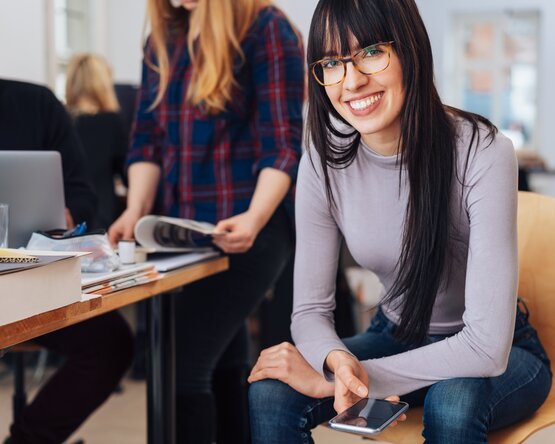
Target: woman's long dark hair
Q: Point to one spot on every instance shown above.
(427, 146)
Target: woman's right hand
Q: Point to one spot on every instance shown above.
(285, 363)
(123, 226)
(351, 379)
(143, 183)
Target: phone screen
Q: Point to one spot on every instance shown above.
(369, 415)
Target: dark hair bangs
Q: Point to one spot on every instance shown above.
(340, 27)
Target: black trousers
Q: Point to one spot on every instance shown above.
(275, 313)
(98, 352)
(210, 334)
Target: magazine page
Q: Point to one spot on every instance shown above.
(173, 235)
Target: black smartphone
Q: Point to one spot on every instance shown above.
(369, 416)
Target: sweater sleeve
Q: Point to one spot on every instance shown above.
(60, 135)
(316, 259)
(481, 348)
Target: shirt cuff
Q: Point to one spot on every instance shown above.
(288, 163)
(316, 355)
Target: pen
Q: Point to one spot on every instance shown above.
(77, 230)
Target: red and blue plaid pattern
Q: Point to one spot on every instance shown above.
(209, 163)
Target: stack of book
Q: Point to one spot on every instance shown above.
(125, 277)
(33, 282)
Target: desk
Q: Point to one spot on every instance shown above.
(161, 364)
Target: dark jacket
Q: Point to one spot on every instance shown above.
(32, 118)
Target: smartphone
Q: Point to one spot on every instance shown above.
(369, 416)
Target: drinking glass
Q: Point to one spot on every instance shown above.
(3, 225)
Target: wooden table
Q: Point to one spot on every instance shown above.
(161, 353)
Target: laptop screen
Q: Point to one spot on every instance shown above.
(31, 183)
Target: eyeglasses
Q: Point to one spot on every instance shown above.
(370, 60)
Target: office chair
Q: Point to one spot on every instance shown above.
(536, 249)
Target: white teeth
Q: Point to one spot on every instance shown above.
(365, 103)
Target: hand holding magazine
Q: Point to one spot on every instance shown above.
(173, 235)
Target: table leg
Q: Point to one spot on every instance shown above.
(160, 370)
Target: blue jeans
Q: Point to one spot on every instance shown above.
(458, 410)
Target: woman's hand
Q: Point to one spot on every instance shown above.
(401, 418)
(285, 363)
(123, 226)
(143, 183)
(69, 219)
(351, 379)
(238, 233)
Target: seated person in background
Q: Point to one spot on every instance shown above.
(527, 160)
(97, 351)
(92, 101)
(31, 118)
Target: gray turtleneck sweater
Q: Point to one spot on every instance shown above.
(476, 302)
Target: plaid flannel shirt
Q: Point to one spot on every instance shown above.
(210, 164)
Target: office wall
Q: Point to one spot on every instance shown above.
(116, 33)
(299, 12)
(125, 21)
(22, 40)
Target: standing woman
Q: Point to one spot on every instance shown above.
(425, 195)
(92, 102)
(217, 138)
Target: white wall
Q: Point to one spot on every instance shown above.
(125, 36)
(299, 12)
(22, 40)
(117, 35)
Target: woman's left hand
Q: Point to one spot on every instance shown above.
(401, 418)
(238, 233)
(285, 363)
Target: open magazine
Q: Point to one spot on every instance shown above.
(173, 235)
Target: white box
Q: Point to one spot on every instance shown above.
(37, 290)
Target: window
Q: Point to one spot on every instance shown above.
(72, 34)
(495, 61)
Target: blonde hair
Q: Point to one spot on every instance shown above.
(89, 81)
(220, 26)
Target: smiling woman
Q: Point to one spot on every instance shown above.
(370, 85)
(424, 195)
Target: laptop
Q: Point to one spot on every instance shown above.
(32, 184)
